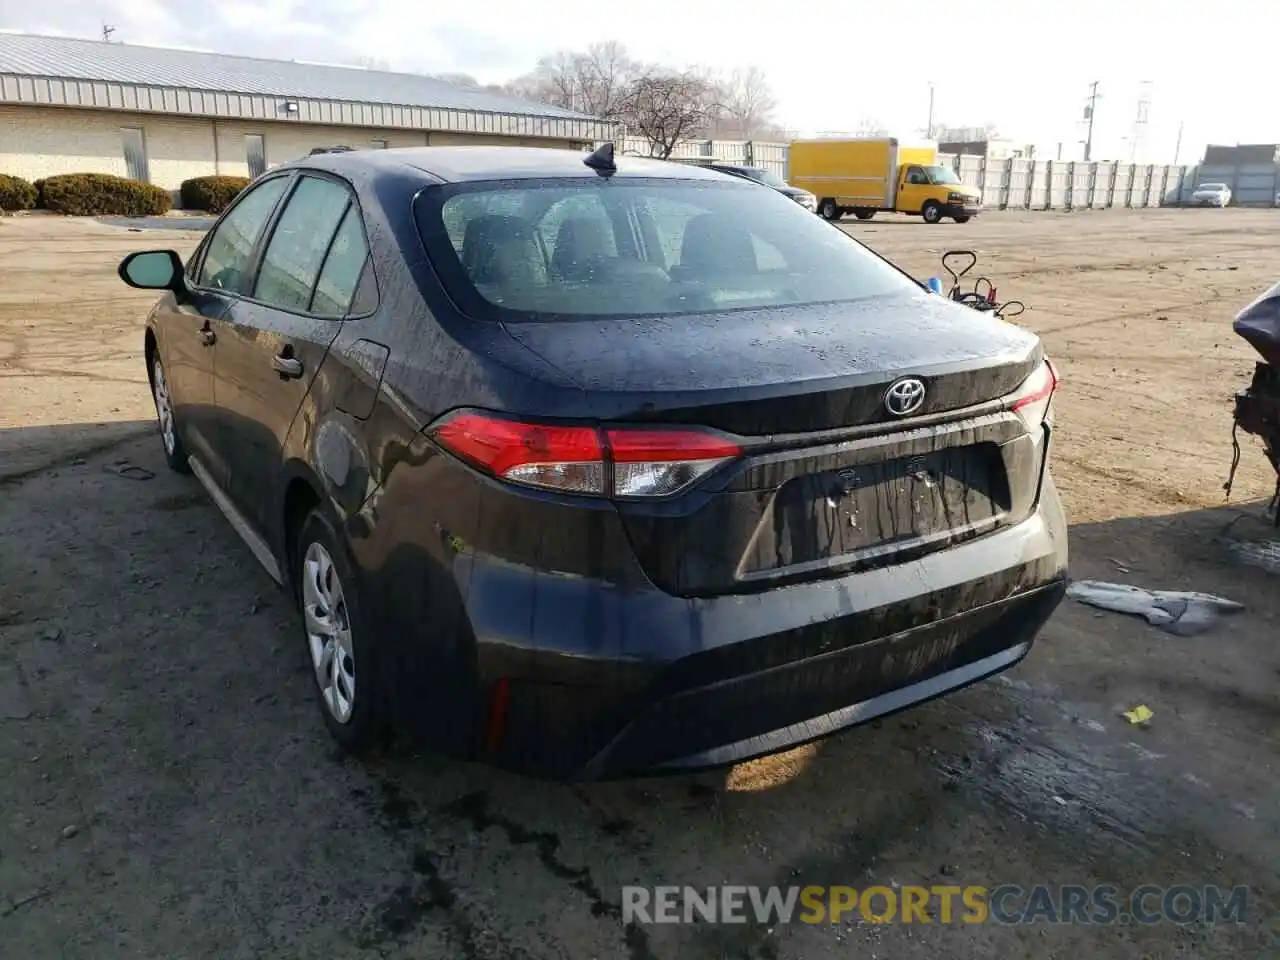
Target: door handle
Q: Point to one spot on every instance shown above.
(207, 337)
(288, 367)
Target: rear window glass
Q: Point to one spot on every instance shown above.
(544, 249)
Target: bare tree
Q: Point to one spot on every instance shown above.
(373, 63)
(666, 107)
(595, 81)
(604, 75)
(868, 127)
(747, 104)
(459, 79)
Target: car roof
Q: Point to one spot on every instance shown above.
(463, 164)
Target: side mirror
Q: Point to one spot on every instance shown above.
(153, 270)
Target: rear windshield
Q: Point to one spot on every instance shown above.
(562, 249)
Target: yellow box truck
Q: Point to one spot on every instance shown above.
(865, 175)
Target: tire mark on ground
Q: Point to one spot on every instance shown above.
(86, 450)
(1130, 315)
(1161, 492)
(473, 809)
(34, 373)
(428, 890)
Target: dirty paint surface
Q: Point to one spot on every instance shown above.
(172, 793)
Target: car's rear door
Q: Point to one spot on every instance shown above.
(275, 338)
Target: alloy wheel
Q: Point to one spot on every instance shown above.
(164, 408)
(328, 627)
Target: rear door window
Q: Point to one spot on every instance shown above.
(302, 235)
(340, 276)
(229, 254)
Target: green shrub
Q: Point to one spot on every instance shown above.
(101, 194)
(39, 185)
(16, 193)
(213, 194)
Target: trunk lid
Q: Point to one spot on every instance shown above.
(831, 480)
(794, 370)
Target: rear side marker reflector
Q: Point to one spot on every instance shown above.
(598, 461)
(496, 729)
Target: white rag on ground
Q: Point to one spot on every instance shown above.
(1176, 611)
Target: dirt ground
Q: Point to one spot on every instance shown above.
(167, 790)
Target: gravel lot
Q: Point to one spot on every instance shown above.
(167, 790)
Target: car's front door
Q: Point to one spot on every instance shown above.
(190, 348)
(275, 338)
(186, 351)
(913, 190)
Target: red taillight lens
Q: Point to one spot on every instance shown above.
(540, 455)
(615, 462)
(1034, 397)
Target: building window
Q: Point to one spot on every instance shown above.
(135, 153)
(379, 144)
(255, 151)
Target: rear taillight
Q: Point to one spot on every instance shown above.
(599, 461)
(1034, 398)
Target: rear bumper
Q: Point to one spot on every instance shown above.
(611, 682)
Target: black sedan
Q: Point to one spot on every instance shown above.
(591, 469)
(769, 179)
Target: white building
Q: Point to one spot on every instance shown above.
(163, 116)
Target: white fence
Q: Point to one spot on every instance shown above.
(1036, 184)
(1067, 185)
(755, 153)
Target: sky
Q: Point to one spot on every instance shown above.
(1025, 67)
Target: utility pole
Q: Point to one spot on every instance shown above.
(1177, 147)
(107, 31)
(929, 130)
(1088, 115)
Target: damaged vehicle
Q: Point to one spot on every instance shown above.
(590, 468)
(1257, 408)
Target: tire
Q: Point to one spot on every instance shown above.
(931, 212)
(864, 214)
(336, 638)
(175, 454)
(961, 219)
(828, 209)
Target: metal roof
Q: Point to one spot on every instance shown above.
(28, 60)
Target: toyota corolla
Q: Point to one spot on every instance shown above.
(590, 468)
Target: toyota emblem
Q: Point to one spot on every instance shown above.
(904, 397)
